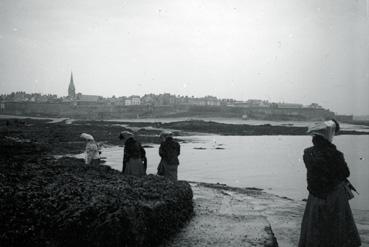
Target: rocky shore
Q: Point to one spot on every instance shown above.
(48, 202)
(232, 216)
(240, 129)
(63, 137)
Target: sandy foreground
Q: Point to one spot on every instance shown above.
(226, 216)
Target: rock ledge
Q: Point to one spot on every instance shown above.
(48, 202)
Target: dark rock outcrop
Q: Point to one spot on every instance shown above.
(62, 138)
(48, 202)
(242, 129)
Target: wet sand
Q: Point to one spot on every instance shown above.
(228, 216)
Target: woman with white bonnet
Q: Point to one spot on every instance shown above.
(327, 219)
(169, 151)
(92, 151)
(134, 157)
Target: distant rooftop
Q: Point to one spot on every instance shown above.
(88, 98)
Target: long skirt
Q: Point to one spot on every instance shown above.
(95, 162)
(135, 167)
(329, 223)
(168, 170)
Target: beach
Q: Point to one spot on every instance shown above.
(263, 216)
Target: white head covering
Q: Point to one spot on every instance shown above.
(166, 133)
(87, 137)
(325, 129)
(125, 134)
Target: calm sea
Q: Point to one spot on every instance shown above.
(273, 163)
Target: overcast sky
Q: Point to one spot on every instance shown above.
(279, 50)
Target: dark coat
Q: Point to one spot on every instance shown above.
(326, 168)
(327, 219)
(169, 151)
(133, 149)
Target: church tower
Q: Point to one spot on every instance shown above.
(71, 88)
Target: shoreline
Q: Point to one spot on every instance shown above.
(48, 202)
(165, 120)
(233, 216)
(180, 128)
(256, 217)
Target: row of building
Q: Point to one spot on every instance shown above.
(165, 99)
(25, 97)
(147, 99)
(169, 99)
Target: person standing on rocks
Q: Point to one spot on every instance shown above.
(92, 151)
(327, 219)
(134, 158)
(169, 151)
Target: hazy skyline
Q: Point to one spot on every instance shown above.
(277, 50)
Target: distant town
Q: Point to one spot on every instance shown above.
(154, 105)
(147, 99)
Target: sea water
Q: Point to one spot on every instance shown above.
(273, 163)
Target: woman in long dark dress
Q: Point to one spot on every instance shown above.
(134, 157)
(327, 220)
(169, 151)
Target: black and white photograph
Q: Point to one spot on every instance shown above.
(184, 123)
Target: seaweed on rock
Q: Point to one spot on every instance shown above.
(48, 202)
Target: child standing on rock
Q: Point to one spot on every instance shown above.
(92, 151)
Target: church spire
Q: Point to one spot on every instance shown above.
(71, 88)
